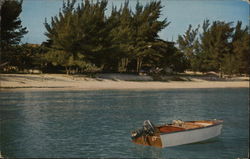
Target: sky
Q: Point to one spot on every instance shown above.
(180, 13)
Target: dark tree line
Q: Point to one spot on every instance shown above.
(11, 32)
(217, 46)
(82, 38)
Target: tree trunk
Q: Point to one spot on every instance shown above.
(122, 65)
(138, 64)
(125, 64)
(67, 70)
(220, 71)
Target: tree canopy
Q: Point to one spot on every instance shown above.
(11, 28)
(123, 41)
(11, 31)
(218, 46)
(83, 38)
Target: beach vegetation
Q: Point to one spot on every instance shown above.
(217, 46)
(83, 38)
(11, 32)
(125, 41)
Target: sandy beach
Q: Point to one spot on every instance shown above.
(61, 81)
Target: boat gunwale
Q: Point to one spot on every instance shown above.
(185, 130)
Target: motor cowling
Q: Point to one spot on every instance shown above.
(148, 129)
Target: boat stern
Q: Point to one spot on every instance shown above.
(154, 140)
(148, 135)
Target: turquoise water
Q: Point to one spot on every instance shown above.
(98, 123)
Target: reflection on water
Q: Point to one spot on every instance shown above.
(98, 123)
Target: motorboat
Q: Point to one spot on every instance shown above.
(176, 133)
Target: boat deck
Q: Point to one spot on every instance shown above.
(184, 126)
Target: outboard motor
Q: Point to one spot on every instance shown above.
(137, 133)
(147, 130)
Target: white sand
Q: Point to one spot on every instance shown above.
(59, 81)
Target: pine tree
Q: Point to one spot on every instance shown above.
(122, 35)
(84, 34)
(62, 37)
(220, 47)
(147, 26)
(11, 30)
(78, 35)
(241, 49)
(189, 46)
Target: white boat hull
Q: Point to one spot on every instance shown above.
(190, 136)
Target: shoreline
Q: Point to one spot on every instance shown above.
(48, 89)
(13, 82)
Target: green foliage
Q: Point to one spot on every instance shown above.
(109, 43)
(11, 28)
(146, 27)
(220, 47)
(241, 49)
(11, 34)
(77, 33)
(81, 38)
(25, 56)
(218, 38)
(189, 46)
